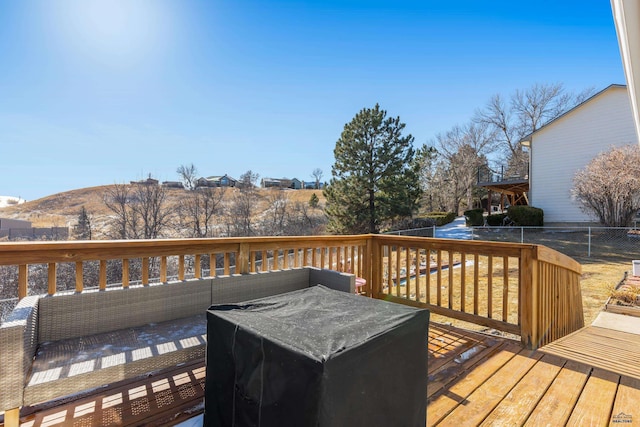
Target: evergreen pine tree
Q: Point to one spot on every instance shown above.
(374, 178)
(82, 230)
(314, 201)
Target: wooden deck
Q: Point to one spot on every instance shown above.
(586, 378)
(590, 377)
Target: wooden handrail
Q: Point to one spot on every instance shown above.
(529, 290)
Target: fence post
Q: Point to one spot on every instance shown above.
(589, 245)
(521, 234)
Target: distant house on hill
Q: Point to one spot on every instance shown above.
(148, 181)
(173, 184)
(294, 183)
(216, 181)
(568, 143)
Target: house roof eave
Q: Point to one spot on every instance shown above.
(526, 140)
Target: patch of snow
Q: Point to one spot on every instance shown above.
(10, 201)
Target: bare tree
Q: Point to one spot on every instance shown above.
(242, 208)
(464, 149)
(150, 206)
(609, 188)
(139, 210)
(188, 175)
(123, 223)
(317, 176)
(523, 113)
(199, 208)
(276, 222)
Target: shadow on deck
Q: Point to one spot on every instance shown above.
(588, 378)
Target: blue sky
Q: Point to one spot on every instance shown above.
(96, 92)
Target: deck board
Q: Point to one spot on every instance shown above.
(586, 378)
(560, 398)
(516, 406)
(596, 400)
(479, 404)
(442, 403)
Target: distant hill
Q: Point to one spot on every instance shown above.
(62, 209)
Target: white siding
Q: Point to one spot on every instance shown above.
(565, 146)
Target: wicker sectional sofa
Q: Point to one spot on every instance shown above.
(54, 346)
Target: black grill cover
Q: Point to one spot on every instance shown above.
(316, 357)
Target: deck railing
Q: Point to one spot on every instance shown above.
(527, 290)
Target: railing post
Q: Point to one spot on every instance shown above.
(528, 303)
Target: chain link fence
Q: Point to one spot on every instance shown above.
(617, 244)
(581, 242)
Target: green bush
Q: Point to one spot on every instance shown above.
(439, 218)
(526, 216)
(474, 217)
(495, 220)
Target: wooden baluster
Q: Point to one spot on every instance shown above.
(51, 278)
(476, 279)
(252, 262)
(322, 257)
(227, 264)
(181, 267)
(490, 287)
(276, 259)
(407, 267)
(163, 269)
(12, 417)
(314, 257)
(450, 290)
(417, 266)
(212, 265)
(145, 271)
(242, 259)
(505, 289)
(389, 269)
(79, 277)
(103, 274)
(331, 266)
(439, 278)
(463, 278)
(197, 271)
(265, 261)
(125, 273)
(23, 278)
(354, 268)
(427, 257)
(296, 261)
(397, 284)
